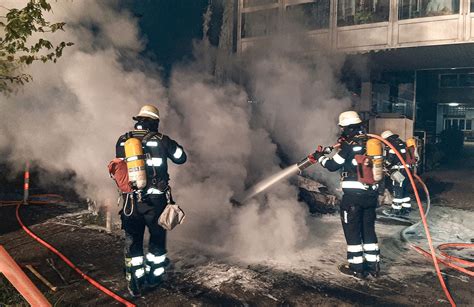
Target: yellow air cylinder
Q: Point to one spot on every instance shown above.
(135, 162)
(412, 155)
(411, 142)
(375, 152)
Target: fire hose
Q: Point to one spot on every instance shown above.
(446, 259)
(431, 253)
(56, 199)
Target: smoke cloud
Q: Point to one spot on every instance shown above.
(72, 114)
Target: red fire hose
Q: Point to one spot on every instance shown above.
(55, 199)
(449, 260)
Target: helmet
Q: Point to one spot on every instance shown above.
(349, 118)
(148, 111)
(387, 133)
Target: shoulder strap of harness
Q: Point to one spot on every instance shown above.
(150, 135)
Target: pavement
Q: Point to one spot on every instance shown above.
(205, 275)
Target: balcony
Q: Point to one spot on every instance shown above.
(358, 26)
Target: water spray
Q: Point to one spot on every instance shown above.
(266, 183)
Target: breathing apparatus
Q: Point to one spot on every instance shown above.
(135, 163)
(412, 154)
(149, 124)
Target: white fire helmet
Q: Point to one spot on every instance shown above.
(149, 111)
(349, 118)
(386, 134)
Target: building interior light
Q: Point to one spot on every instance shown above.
(453, 104)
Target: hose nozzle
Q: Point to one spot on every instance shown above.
(306, 162)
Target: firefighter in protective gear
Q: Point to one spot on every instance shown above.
(149, 202)
(397, 181)
(359, 199)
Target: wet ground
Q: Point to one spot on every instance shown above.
(206, 276)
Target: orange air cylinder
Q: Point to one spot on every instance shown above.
(375, 152)
(135, 163)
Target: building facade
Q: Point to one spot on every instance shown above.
(420, 54)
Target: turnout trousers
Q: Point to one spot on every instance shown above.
(401, 195)
(358, 222)
(151, 266)
(145, 215)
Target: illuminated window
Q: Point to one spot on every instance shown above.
(425, 8)
(355, 12)
(312, 15)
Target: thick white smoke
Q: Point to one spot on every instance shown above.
(72, 114)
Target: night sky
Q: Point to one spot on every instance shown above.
(170, 27)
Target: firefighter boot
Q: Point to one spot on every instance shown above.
(406, 209)
(347, 270)
(372, 269)
(155, 267)
(395, 212)
(135, 275)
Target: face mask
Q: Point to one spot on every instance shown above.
(150, 125)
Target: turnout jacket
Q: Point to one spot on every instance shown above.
(158, 148)
(391, 159)
(344, 160)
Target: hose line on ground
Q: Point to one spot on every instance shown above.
(423, 217)
(55, 199)
(448, 260)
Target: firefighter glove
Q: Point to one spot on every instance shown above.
(318, 153)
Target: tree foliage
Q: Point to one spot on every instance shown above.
(18, 48)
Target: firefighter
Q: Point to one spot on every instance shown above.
(359, 199)
(148, 270)
(397, 180)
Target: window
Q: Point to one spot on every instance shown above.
(466, 80)
(472, 6)
(448, 80)
(461, 124)
(356, 12)
(259, 23)
(249, 3)
(312, 15)
(456, 80)
(447, 124)
(468, 124)
(455, 124)
(425, 8)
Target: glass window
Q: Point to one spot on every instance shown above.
(466, 80)
(469, 124)
(447, 123)
(426, 8)
(448, 80)
(455, 124)
(472, 6)
(259, 23)
(312, 15)
(461, 124)
(249, 3)
(356, 12)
